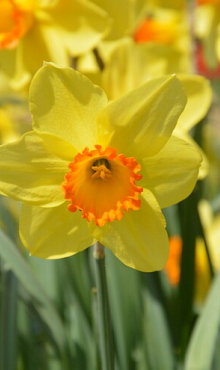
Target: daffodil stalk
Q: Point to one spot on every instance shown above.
(104, 321)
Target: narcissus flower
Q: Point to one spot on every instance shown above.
(33, 31)
(91, 171)
(160, 36)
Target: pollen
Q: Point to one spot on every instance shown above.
(15, 21)
(101, 184)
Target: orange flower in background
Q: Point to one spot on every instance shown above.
(173, 264)
(153, 30)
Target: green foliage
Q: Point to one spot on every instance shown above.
(49, 310)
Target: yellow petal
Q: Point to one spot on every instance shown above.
(53, 232)
(172, 173)
(66, 103)
(81, 24)
(199, 94)
(33, 168)
(204, 167)
(124, 13)
(206, 24)
(141, 122)
(39, 44)
(8, 61)
(44, 3)
(139, 239)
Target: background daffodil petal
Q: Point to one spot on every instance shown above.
(139, 239)
(43, 4)
(32, 169)
(53, 232)
(199, 98)
(81, 24)
(11, 66)
(66, 103)
(206, 24)
(40, 43)
(125, 13)
(172, 173)
(144, 118)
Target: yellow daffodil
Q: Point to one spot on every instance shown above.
(156, 42)
(91, 170)
(33, 31)
(158, 36)
(130, 65)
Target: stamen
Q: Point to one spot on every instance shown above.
(101, 168)
(101, 171)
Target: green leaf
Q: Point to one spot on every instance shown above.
(25, 275)
(158, 341)
(8, 327)
(126, 310)
(201, 348)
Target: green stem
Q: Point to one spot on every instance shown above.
(104, 322)
(8, 335)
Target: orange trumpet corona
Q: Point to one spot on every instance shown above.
(101, 183)
(152, 30)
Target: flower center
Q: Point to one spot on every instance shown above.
(15, 20)
(101, 183)
(152, 30)
(101, 168)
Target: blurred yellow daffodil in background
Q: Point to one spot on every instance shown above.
(207, 252)
(90, 170)
(206, 31)
(128, 68)
(14, 121)
(156, 36)
(33, 31)
(15, 117)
